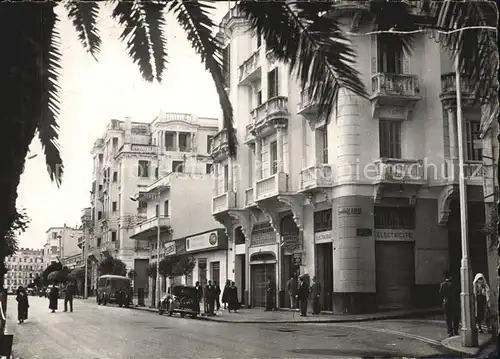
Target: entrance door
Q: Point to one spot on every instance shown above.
(324, 273)
(395, 270)
(215, 272)
(243, 281)
(259, 273)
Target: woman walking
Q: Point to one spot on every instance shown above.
(22, 304)
(53, 298)
(233, 303)
(482, 296)
(225, 293)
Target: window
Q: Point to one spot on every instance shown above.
(54, 235)
(259, 98)
(142, 207)
(99, 215)
(390, 54)
(166, 212)
(114, 206)
(115, 177)
(178, 166)
(272, 83)
(273, 151)
(143, 169)
(157, 172)
(170, 141)
(157, 210)
(115, 143)
(113, 236)
(322, 135)
(184, 145)
(390, 138)
(473, 129)
(210, 140)
(226, 178)
(394, 217)
(209, 168)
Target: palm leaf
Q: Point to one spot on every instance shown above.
(50, 68)
(312, 44)
(193, 16)
(155, 21)
(84, 15)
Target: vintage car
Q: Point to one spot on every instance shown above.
(180, 299)
(113, 289)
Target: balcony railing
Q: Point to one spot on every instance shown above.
(384, 84)
(276, 107)
(138, 148)
(219, 144)
(223, 202)
(316, 176)
(448, 84)
(152, 224)
(473, 172)
(250, 65)
(249, 198)
(230, 15)
(399, 170)
(306, 103)
(271, 186)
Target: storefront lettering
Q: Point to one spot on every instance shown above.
(323, 237)
(170, 248)
(202, 241)
(350, 211)
(393, 234)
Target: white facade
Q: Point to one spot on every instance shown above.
(23, 267)
(127, 159)
(329, 198)
(61, 242)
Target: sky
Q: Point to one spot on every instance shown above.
(91, 94)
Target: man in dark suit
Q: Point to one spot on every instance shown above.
(303, 296)
(210, 297)
(450, 296)
(68, 296)
(199, 294)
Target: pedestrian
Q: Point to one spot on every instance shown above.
(225, 293)
(303, 296)
(451, 304)
(209, 297)
(53, 298)
(292, 286)
(270, 294)
(199, 294)
(68, 296)
(217, 295)
(482, 297)
(22, 304)
(315, 294)
(233, 303)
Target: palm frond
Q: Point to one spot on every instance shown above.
(193, 16)
(84, 15)
(311, 43)
(477, 49)
(141, 21)
(50, 68)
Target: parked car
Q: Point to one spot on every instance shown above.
(180, 299)
(113, 289)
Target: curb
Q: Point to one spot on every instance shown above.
(307, 321)
(472, 352)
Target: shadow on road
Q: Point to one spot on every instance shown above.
(365, 355)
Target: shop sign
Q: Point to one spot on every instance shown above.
(394, 235)
(170, 249)
(180, 246)
(297, 259)
(202, 241)
(350, 211)
(364, 232)
(323, 237)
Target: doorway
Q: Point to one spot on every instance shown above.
(324, 274)
(240, 276)
(259, 274)
(215, 272)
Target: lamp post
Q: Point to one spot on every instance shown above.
(469, 331)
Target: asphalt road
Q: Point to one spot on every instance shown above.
(98, 332)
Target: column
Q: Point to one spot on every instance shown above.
(452, 126)
(216, 179)
(176, 144)
(258, 159)
(279, 145)
(230, 175)
(150, 290)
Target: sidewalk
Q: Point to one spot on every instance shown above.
(287, 316)
(487, 346)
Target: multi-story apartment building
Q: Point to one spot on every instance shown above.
(366, 201)
(23, 267)
(127, 159)
(61, 242)
(180, 203)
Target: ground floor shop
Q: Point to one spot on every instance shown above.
(389, 254)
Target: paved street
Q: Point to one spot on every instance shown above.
(93, 332)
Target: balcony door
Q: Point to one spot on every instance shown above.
(390, 138)
(389, 54)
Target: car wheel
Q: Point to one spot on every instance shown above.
(183, 315)
(194, 316)
(170, 314)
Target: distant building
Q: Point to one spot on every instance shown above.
(62, 242)
(22, 267)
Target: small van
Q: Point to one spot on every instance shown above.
(113, 289)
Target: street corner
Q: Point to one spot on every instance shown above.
(486, 345)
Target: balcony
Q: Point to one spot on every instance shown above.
(219, 148)
(474, 172)
(306, 105)
(394, 95)
(138, 148)
(448, 94)
(316, 177)
(390, 170)
(249, 198)
(142, 245)
(231, 15)
(249, 134)
(249, 71)
(265, 115)
(271, 186)
(149, 227)
(223, 202)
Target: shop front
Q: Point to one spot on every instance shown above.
(291, 256)
(210, 250)
(323, 235)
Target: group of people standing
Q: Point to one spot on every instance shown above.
(69, 294)
(299, 292)
(450, 296)
(210, 294)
